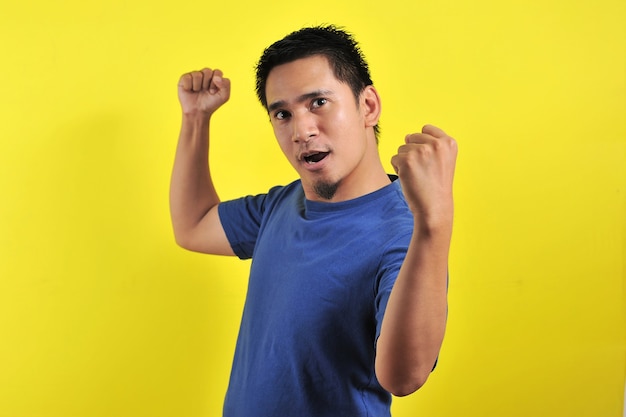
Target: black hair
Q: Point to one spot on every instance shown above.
(335, 44)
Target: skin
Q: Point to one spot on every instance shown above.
(313, 113)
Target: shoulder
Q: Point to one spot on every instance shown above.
(392, 204)
(259, 202)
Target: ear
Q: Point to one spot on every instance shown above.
(370, 105)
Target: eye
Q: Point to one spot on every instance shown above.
(281, 115)
(318, 102)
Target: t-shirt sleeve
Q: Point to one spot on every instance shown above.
(241, 219)
(391, 261)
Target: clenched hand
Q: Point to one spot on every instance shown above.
(425, 165)
(203, 91)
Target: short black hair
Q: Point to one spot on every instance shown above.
(335, 44)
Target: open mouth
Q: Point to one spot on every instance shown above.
(315, 157)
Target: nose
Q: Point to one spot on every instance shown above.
(304, 127)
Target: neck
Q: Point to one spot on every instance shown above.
(369, 177)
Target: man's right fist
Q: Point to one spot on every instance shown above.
(203, 91)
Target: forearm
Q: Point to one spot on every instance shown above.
(192, 193)
(415, 318)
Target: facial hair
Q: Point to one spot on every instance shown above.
(325, 190)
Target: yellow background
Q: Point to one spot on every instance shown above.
(102, 315)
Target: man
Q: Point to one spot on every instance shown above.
(346, 299)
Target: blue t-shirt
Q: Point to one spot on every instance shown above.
(320, 278)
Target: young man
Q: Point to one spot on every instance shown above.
(346, 299)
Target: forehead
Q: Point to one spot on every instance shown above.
(301, 76)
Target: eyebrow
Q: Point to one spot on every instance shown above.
(304, 97)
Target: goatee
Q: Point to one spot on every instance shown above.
(326, 190)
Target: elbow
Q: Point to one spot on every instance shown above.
(401, 382)
(179, 238)
(183, 240)
(402, 388)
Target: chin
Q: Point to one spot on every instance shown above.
(325, 189)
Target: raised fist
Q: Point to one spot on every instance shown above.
(203, 91)
(425, 165)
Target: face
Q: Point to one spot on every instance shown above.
(325, 133)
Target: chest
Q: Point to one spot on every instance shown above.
(314, 273)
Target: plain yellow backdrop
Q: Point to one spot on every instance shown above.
(102, 315)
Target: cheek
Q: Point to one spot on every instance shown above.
(285, 144)
(344, 132)
(280, 133)
(344, 121)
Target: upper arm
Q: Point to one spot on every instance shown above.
(207, 236)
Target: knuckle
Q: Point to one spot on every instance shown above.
(453, 144)
(425, 150)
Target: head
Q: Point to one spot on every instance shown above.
(336, 45)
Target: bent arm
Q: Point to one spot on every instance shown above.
(415, 318)
(193, 198)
